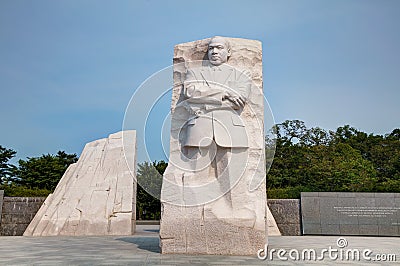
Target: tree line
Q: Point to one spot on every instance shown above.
(305, 159)
(35, 176)
(346, 160)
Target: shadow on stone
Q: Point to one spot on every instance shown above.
(145, 243)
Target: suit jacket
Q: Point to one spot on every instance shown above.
(212, 116)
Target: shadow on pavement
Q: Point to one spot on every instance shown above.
(152, 230)
(145, 243)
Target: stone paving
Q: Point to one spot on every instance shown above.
(142, 249)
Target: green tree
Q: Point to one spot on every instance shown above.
(345, 160)
(289, 159)
(316, 136)
(338, 168)
(290, 132)
(6, 169)
(382, 151)
(43, 172)
(149, 178)
(385, 155)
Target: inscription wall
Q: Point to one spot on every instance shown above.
(341, 213)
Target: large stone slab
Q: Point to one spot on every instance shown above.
(96, 195)
(195, 218)
(341, 213)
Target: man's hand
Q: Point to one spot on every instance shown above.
(235, 98)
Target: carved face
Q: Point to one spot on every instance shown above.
(218, 51)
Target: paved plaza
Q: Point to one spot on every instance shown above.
(142, 249)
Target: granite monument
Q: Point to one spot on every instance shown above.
(213, 194)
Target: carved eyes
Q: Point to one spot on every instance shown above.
(220, 47)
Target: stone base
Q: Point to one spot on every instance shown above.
(197, 230)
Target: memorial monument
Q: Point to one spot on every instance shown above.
(96, 195)
(213, 194)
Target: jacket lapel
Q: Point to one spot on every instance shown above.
(205, 73)
(224, 74)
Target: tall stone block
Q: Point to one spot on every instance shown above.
(195, 218)
(96, 195)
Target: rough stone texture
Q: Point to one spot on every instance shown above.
(272, 226)
(1, 202)
(17, 214)
(287, 215)
(96, 195)
(341, 213)
(210, 228)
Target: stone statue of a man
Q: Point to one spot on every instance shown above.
(216, 94)
(209, 205)
(216, 137)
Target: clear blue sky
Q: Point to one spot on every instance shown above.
(69, 68)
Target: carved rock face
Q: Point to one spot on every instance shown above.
(195, 218)
(218, 51)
